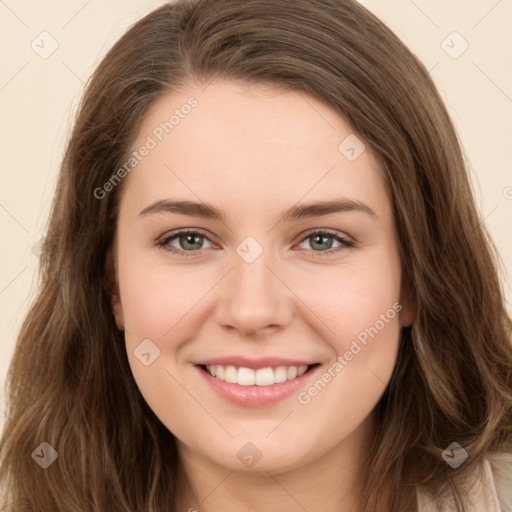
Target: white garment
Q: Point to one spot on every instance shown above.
(482, 497)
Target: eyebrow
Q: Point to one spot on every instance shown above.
(296, 212)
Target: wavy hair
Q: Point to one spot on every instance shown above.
(69, 382)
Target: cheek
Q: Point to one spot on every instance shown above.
(155, 297)
(362, 311)
(354, 300)
(154, 309)
(160, 304)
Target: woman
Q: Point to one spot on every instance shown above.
(255, 370)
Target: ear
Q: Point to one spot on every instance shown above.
(409, 306)
(112, 287)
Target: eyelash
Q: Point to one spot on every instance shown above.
(345, 242)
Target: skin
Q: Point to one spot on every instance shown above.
(253, 152)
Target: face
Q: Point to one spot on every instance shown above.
(224, 265)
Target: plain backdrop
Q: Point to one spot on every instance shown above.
(49, 49)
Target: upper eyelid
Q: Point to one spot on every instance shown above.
(193, 231)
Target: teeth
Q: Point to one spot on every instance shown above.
(231, 374)
(292, 372)
(249, 377)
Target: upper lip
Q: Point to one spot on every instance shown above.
(256, 363)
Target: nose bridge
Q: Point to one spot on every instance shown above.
(254, 297)
(251, 279)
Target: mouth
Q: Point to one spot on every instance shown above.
(267, 376)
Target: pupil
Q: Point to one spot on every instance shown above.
(191, 238)
(323, 239)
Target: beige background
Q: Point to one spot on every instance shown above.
(38, 97)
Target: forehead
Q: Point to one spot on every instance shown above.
(252, 146)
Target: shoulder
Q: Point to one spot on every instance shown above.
(488, 488)
(501, 470)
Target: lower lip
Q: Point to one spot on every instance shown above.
(256, 396)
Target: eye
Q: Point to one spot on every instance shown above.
(189, 242)
(321, 239)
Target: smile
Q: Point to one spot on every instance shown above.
(260, 377)
(256, 387)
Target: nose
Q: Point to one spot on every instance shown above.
(254, 299)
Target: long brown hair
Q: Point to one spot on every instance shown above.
(69, 383)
